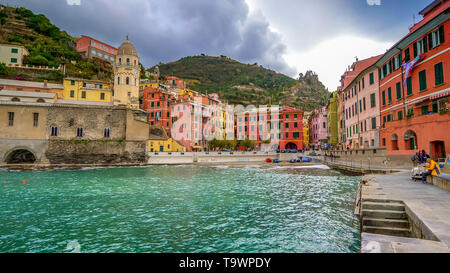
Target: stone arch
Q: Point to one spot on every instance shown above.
(20, 155)
(291, 146)
(40, 100)
(15, 99)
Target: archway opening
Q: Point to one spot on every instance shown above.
(410, 140)
(291, 146)
(20, 156)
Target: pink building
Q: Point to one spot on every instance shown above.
(319, 129)
(360, 105)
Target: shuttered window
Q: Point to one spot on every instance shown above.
(422, 80)
(389, 95)
(399, 91)
(439, 74)
(371, 78)
(372, 100)
(408, 86)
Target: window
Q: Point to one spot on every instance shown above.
(364, 103)
(287, 135)
(363, 83)
(83, 94)
(35, 119)
(373, 102)
(400, 115)
(407, 55)
(286, 125)
(14, 60)
(296, 135)
(383, 97)
(435, 107)
(324, 125)
(102, 96)
(389, 95)
(127, 82)
(371, 79)
(72, 93)
(79, 132)
(399, 90)
(94, 43)
(438, 74)
(14, 50)
(158, 104)
(410, 112)
(54, 131)
(408, 86)
(397, 62)
(374, 123)
(436, 37)
(420, 47)
(107, 132)
(10, 118)
(423, 80)
(296, 125)
(93, 52)
(424, 109)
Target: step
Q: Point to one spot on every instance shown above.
(381, 200)
(383, 206)
(396, 223)
(383, 214)
(401, 232)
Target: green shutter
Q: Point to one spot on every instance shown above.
(423, 80)
(400, 115)
(441, 34)
(389, 95)
(372, 100)
(374, 123)
(439, 74)
(425, 44)
(408, 86)
(399, 91)
(383, 96)
(415, 49)
(435, 106)
(425, 109)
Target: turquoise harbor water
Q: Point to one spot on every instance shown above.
(179, 209)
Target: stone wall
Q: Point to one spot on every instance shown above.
(209, 158)
(95, 152)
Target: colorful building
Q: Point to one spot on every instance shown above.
(87, 90)
(281, 127)
(306, 129)
(414, 87)
(160, 144)
(29, 86)
(90, 48)
(157, 102)
(12, 55)
(360, 105)
(333, 119)
(319, 128)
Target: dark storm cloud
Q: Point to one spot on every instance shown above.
(170, 29)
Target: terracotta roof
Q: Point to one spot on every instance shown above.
(358, 67)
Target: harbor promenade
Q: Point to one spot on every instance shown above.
(427, 208)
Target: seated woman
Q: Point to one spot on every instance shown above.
(432, 169)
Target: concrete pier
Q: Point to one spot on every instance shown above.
(427, 208)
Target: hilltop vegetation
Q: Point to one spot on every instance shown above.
(246, 84)
(47, 45)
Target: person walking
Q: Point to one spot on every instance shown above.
(432, 169)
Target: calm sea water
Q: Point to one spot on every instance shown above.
(178, 209)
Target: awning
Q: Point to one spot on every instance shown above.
(441, 94)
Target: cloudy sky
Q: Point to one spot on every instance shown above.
(289, 36)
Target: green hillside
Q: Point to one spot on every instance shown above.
(48, 45)
(247, 83)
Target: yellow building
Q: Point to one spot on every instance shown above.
(145, 84)
(164, 145)
(87, 90)
(306, 130)
(126, 76)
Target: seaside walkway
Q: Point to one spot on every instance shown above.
(428, 207)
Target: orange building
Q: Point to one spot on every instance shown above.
(414, 87)
(91, 47)
(157, 103)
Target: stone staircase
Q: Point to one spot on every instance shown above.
(387, 217)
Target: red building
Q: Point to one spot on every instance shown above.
(174, 81)
(91, 47)
(414, 87)
(157, 102)
(283, 128)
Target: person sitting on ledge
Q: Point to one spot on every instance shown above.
(432, 169)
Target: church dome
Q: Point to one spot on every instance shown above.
(127, 48)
